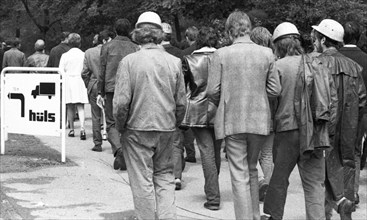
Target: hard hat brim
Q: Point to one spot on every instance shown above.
(317, 28)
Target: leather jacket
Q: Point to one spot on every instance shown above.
(314, 104)
(351, 94)
(199, 112)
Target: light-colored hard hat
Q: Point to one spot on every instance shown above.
(283, 29)
(331, 29)
(167, 29)
(149, 17)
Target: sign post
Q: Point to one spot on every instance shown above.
(33, 103)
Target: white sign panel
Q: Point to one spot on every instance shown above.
(32, 104)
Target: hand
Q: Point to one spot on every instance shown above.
(100, 101)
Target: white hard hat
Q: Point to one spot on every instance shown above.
(331, 29)
(149, 17)
(166, 28)
(283, 29)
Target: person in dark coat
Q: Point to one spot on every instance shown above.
(111, 55)
(343, 131)
(350, 49)
(191, 35)
(57, 51)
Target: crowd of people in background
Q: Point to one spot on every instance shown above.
(273, 99)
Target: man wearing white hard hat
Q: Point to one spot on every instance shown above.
(148, 105)
(343, 131)
(292, 144)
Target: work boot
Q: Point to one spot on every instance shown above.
(119, 162)
(345, 209)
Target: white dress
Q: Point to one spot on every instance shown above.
(71, 63)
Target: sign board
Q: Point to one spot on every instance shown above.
(31, 103)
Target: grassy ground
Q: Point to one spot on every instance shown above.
(26, 152)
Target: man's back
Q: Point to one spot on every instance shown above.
(244, 106)
(37, 59)
(360, 57)
(55, 54)
(111, 55)
(13, 57)
(155, 89)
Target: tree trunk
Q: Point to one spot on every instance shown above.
(177, 28)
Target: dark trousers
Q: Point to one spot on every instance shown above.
(96, 116)
(113, 134)
(311, 169)
(210, 158)
(188, 142)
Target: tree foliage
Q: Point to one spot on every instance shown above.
(47, 18)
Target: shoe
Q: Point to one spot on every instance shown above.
(265, 217)
(119, 162)
(345, 209)
(263, 187)
(71, 133)
(83, 136)
(190, 159)
(213, 207)
(178, 184)
(97, 148)
(356, 198)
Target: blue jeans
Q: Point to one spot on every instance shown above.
(210, 158)
(96, 116)
(243, 154)
(311, 169)
(113, 135)
(148, 156)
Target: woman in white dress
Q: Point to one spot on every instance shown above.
(71, 64)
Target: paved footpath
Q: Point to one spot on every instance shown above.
(93, 190)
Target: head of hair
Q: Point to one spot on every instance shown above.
(74, 40)
(328, 42)
(167, 37)
(352, 32)
(39, 45)
(147, 33)
(64, 35)
(192, 33)
(238, 24)
(261, 36)
(207, 37)
(122, 27)
(14, 42)
(103, 35)
(288, 46)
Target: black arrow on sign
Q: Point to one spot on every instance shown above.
(19, 96)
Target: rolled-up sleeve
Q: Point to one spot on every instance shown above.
(122, 95)
(214, 79)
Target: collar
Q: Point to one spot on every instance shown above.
(205, 50)
(350, 45)
(165, 43)
(331, 50)
(243, 39)
(122, 38)
(151, 46)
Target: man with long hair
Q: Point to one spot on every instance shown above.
(291, 147)
(240, 80)
(343, 131)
